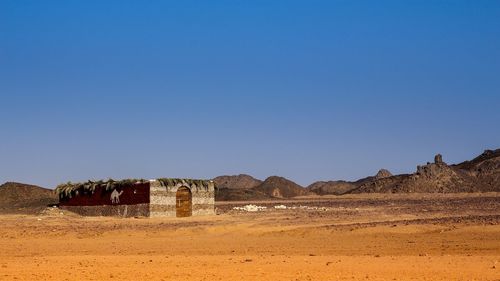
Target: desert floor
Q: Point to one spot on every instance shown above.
(366, 237)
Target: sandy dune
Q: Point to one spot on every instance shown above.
(356, 238)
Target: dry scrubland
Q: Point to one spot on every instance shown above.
(356, 237)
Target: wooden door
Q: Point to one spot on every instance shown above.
(184, 202)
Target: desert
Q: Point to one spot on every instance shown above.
(281, 140)
(383, 227)
(356, 237)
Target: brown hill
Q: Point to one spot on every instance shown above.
(481, 174)
(478, 163)
(341, 187)
(279, 187)
(485, 169)
(227, 194)
(331, 187)
(24, 198)
(236, 182)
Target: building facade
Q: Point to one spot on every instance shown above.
(139, 198)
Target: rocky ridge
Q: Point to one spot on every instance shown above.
(482, 174)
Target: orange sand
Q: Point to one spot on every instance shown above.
(272, 245)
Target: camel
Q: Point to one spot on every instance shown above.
(115, 196)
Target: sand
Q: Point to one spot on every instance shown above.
(408, 238)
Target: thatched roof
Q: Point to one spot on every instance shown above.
(190, 182)
(69, 188)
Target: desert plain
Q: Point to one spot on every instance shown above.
(351, 237)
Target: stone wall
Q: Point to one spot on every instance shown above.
(162, 199)
(124, 211)
(162, 203)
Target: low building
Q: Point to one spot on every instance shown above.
(139, 198)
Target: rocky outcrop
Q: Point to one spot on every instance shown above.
(482, 174)
(383, 173)
(438, 159)
(479, 175)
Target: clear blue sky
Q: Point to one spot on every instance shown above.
(309, 90)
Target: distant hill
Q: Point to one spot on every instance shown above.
(279, 187)
(237, 182)
(485, 169)
(331, 187)
(19, 198)
(238, 188)
(481, 174)
(227, 194)
(488, 160)
(244, 187)
(341, 187)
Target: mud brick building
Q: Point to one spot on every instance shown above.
(139, 198)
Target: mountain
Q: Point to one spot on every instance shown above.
(238, 188)
(227, 194)
(485, 169)
(24, 198)
(488, 160)
(235, 188)
(481, 174)
(236, 182)
(279, 187)
(331, 187)
(340, 187)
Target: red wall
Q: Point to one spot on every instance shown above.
(134, 194)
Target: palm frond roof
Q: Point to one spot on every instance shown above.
(67, 189)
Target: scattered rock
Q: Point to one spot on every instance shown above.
(250, 208)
